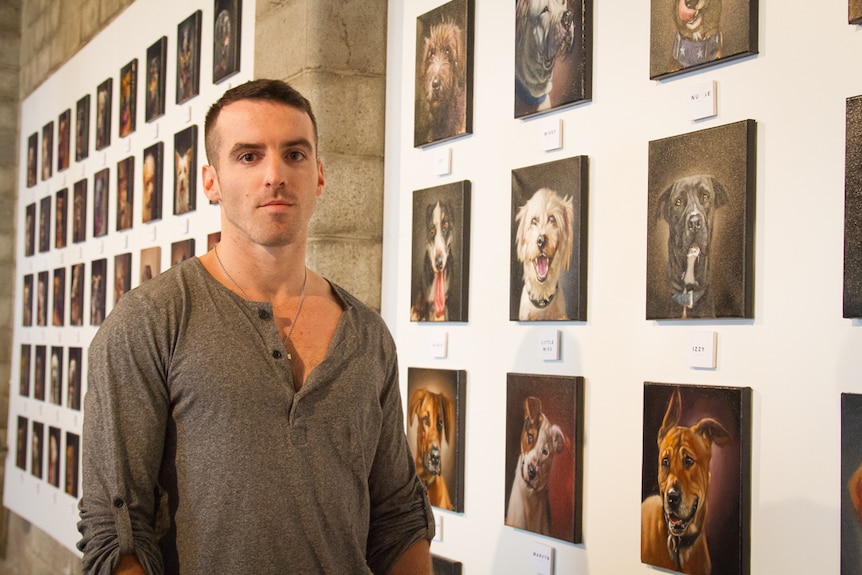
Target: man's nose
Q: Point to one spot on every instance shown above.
(275, 172)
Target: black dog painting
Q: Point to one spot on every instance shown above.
(700, 231)
(548, 264)
(553, 54)
(692, 34)
(441, 252)
(695, 493)
(444, 73)
(853, 210)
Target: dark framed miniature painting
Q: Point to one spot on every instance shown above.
(82, 128)
(64, 139)
(98, 291)
(55, 389)
(47, 151)
(72, 463)
(689, 35)
(696, 482)
(151, 263)
(76, 295)
(30, 229)
(440, 270)
(58, 299)
(101, 187)
(443, 566)
(544, 454)
(24, 374)
(42, 298)
(154, 105)
(104, 95)
(182, 250)
(553, 55)
(125, 192)
(443, 101)
(700, 224)
(54, 456)
(122, 275)
(852, 304)
(74, 388)
(37, 450)
(79, 211)
(851, 483)
(39, 373)
(185, 170)
(189, 58)
(152, 170)
(61, 217)
(21, 444)
(32, 159)
(27, 301)
(548, 262)
(45, 224)
(854, 12)
(435, 432)
(227, 35)
(128, 97)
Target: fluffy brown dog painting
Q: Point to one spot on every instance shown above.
(443, 82)
(694, 510)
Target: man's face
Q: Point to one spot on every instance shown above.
(266, 176)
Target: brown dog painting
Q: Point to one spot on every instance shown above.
(689, 476)
(435, 424)
(442, 100)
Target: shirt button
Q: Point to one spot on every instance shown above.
(263, 314)
(276, 354)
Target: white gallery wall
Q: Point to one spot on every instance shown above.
(126, 38)
(797, 354)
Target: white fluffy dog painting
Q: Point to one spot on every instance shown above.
(548, 262)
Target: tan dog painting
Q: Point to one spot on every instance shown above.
(674, 521)
(435, 433)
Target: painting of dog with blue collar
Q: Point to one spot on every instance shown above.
(692, 34)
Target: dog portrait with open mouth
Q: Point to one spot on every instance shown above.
(696, 479)
(441, 240)
(544, 425)
(553, 54)
(691, 34)
(435, 433)
(548, 262)
(444, 55)
(701, 224)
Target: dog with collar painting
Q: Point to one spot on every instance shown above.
(698, 37)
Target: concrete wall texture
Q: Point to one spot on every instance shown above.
(335, 54)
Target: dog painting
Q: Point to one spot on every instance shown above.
(103, 114)
(851, 483)
(441, 239)
(98, 291)
(854, 12)
(82, 128)
(435, 432)
(151, 263)
(189, 57)
(544, 429)
(442, 566)
(549, 235)
(701, 224)
(852, 304)
(692, 34)
(443, 100)
(185, 170)
(553, 54)
(156, 62)
(152, 182)
(696, 479)
(226, 38)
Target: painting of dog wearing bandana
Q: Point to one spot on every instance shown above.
(700, 230)
(691, 34)
(553, 54)
(441, 253)
(444, 73)
(548, 273)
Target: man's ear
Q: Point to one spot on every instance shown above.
(321, 180)
(209, 177)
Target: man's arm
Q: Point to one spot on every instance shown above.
(128, 565)
(416, 560)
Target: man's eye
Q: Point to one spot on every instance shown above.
(247, 157)
(296, 155)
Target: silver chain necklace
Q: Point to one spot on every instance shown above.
(285, 339)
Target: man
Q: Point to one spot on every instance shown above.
(258, 402)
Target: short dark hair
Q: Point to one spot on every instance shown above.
(276, 91)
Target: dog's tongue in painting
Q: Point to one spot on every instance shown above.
(439, 293)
